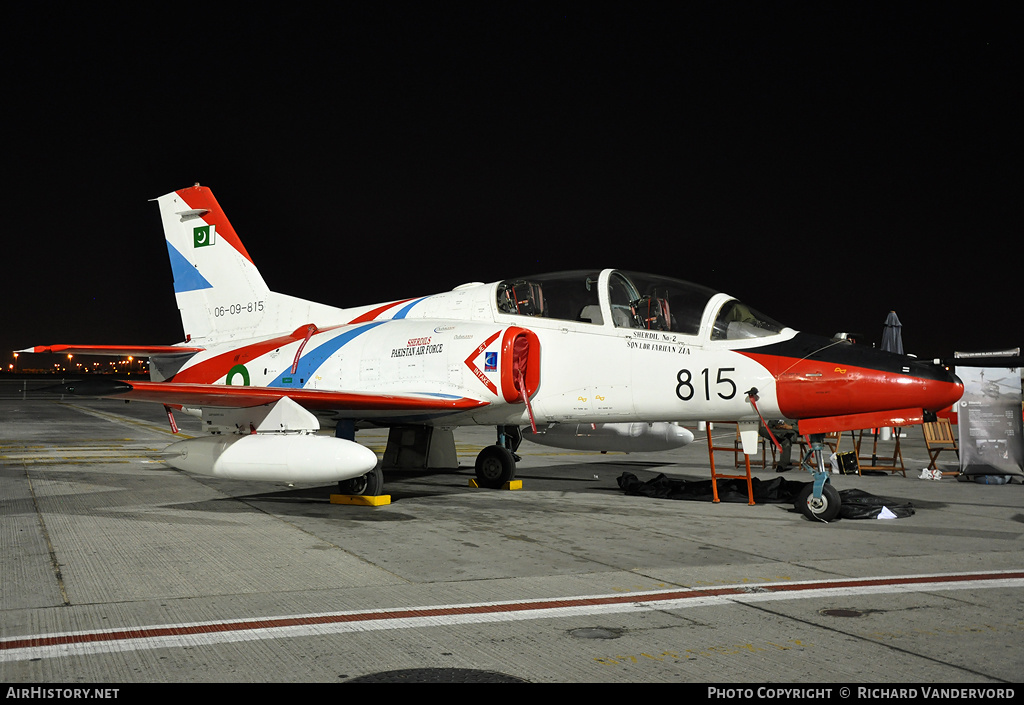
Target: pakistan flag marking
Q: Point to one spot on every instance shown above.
(203, 235)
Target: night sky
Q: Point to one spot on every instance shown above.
(823, 162)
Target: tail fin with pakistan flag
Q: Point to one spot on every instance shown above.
(220, 293)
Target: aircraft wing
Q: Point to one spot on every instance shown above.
(227, 396)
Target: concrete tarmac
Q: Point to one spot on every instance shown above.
(117, 568)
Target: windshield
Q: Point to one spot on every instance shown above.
(736, 321)
(657, 303)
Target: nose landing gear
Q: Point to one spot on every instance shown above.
(818, 501)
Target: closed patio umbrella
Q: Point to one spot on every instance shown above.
(892, 341)
(892, 334)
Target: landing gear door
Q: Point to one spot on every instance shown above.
(748, 436)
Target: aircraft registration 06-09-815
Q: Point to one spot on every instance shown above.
(608, 360)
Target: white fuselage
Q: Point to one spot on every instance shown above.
(456, 344)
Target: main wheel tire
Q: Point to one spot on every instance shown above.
(368, 485)
(825, 509)
(495, 465)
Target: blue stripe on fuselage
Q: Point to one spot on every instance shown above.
(310, 362)
(405, 310)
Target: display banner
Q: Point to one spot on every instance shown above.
(989, 420)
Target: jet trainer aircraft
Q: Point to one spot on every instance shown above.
(612, 350)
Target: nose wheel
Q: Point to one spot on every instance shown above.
(823, 508)
(819, 501)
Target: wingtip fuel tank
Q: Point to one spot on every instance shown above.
(272, 458)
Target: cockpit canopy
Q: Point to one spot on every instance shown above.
(634, 300)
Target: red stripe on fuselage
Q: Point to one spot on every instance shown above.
(371, 315)
(209, 371)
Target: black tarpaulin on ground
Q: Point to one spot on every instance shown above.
(855, 504)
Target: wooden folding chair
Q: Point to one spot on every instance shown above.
(880, 462)
(938, 436)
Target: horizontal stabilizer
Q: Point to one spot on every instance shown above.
(115, 350)
(90, 387)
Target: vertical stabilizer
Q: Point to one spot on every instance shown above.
(220, 292)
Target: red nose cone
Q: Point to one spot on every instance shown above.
(844, 380)
(947, 394)
(807, 393)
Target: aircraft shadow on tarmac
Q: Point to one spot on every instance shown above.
(406, 485)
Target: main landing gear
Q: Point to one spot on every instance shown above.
(819, 500)
(368, 485)
(496, 464)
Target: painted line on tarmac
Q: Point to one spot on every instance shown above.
(207, 633)
(126, 420)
